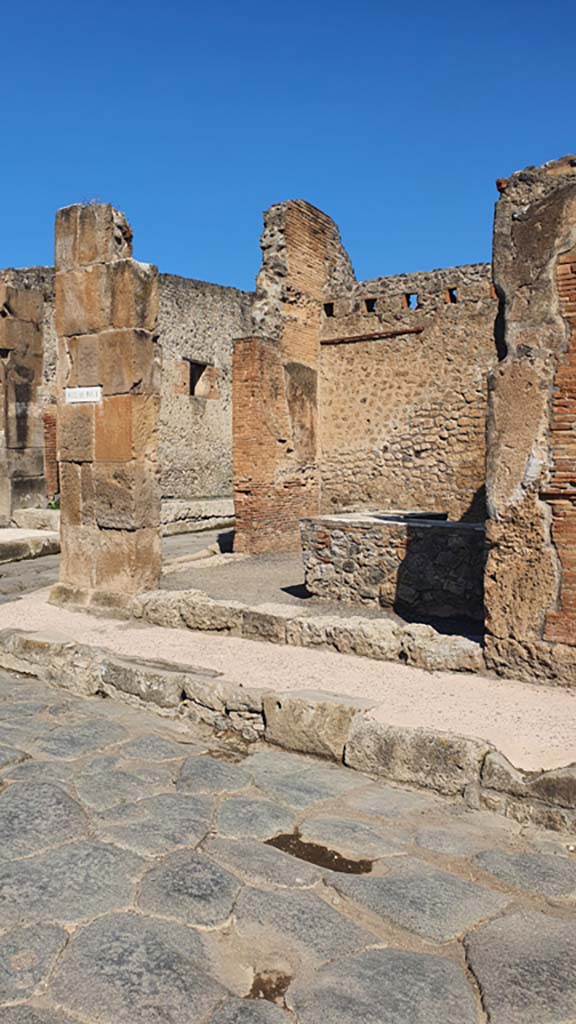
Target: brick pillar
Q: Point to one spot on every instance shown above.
(50, 454)
(275, 379)
(21, 442)
(106, 314)
(530, 582)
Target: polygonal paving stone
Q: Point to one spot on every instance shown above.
(191, 888)
(297, 922)
(27, 955)
(185, 820)
(152, 747)
(20, 713)
(303, 789)
(350, 838)
(385, 986)
(453, 842)
(136, 970)
(244, 818)
(525, 965)
(249, 1011)
(10, 755)
(32, 1015)
(422, 899)
(382, 801)
(69, 884)
(101, 790)
(545, 874)
(35, 815)
(71, 741)
(257, 863)
(39, 771)
(279, 763)
(207, 775)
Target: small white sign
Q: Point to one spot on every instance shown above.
(73, 396)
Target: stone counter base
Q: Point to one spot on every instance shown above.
(335, 727)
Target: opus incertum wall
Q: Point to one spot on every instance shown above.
(108, 408)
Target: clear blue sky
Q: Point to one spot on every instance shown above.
(194, 117)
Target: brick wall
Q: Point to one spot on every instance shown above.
(50, 453)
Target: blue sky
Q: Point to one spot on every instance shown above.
(194, 117)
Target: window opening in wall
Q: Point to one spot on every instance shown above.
(452, 296)
(197, 371)
(370, 305)
(329, 308)
(411, 300)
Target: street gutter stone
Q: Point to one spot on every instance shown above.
(69, 884)
(525, 965)
(546, 874)
(259, 864)
(385, 986)
(422, 899)
(242, 817)
(36, 815)
(27, 956)
(132, 969)
(191, 888)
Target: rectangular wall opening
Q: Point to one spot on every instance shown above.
(452, 296)
(411, 300)
(196, 373)
(328, 309)
(370, 305)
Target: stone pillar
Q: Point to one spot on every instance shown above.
(108, 409)
(275, 379)
(530, 583)
(21, 440)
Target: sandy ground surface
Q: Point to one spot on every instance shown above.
(534, 726)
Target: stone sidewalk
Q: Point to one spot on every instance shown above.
(149, 876)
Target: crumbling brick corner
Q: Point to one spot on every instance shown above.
(530, 584)
(21, 439)
(106, 315)
(275, 378)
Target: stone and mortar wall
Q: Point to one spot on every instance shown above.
(275, 378)
(530, 583)
(21, 435)
(198, 321)
(416, 567)
(403, 392)
(106, 319)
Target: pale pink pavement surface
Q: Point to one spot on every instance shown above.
(533, 726)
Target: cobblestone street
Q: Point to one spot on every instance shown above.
(150, 878)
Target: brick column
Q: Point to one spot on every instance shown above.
(21, 441)
(106, 314)
(275, 379)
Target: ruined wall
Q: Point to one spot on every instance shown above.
(275, 375)
(530, 580)
(403, 392)
(198, 322)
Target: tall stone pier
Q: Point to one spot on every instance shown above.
(21, 435)
(530, 584)
(108, 409)
(275, 378)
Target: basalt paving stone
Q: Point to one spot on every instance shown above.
(158, 774)
(249, 1011)
(20, 712)
(39, 771)
(545, 874)
(152, 747)
(32, 1015)
(36, 815)
(422, 899)
(69, 884)
(297, 923)
(10, 755)
(385, 986)
(130, 969)
(268, 763)
(525, 965)
(71, 741)
(15, 736)
(452, 842)
(244, 818)
(382, 801)
(191, 888)
(168, 819)
(27, 955)
(105, 789)
(303, 789)
(259, 864)
(208, 775)
(352, 838)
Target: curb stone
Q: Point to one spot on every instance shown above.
(334, 727)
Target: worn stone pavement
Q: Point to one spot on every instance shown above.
(138, 886)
